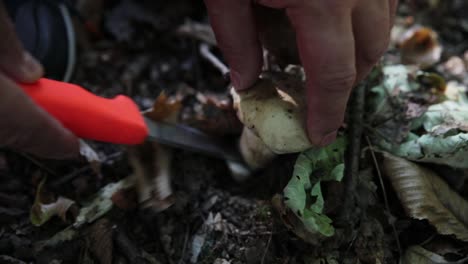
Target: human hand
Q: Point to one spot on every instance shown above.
(23, 125)
(339, 41)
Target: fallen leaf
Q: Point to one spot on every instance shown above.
(164, 109)
(414, 120)
(426, 196)
(445, 150)
(419, 255)
(41, 213)
(312, 167)
(448, 113)
(100, 241)
(65, 235)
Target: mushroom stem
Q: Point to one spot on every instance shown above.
(256, 154)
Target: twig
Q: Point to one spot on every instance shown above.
(356, 127)
(382, 185)
(186, 238)
(37, 163)
(209, 56)
(266, 249)
(126, 247)
(69, 177)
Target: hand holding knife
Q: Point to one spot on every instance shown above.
(118, 120)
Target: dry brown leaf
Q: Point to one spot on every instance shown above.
(164, 109)
(419, 255)
(425, 195)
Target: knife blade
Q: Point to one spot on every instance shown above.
(188, 138)
(118, 120)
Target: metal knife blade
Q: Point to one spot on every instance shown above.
(188, 138)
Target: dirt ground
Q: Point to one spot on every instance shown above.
(136, 48)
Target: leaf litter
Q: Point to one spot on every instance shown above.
(415, 112)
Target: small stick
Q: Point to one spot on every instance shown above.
(353, 153)
(266, 249)
(387, 206)
(209, 56)
(186, 238)
(127, 247)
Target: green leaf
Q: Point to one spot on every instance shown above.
(312, 167)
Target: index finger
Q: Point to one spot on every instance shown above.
(234, 26)
(326, 47)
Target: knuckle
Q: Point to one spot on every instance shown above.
(335, 6)
(372, 56)
(338, 81)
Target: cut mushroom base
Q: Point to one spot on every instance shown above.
(273, 113)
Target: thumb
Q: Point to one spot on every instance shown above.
(14, 60)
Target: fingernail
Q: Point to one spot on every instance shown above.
(328, 138)
(236, 80)
(31, 68)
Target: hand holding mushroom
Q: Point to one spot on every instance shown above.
(338, 42)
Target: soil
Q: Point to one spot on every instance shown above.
(134, 49)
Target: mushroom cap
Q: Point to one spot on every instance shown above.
(274, 109)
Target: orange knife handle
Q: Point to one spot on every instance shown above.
(87, 115)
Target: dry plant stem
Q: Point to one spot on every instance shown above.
(387, 206)
(209, 56)
(37, 163)
(256, 154)
(184, 249)
(356, 127)
(266, 249)
(71, 176)
(126, 247)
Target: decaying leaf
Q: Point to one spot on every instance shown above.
(41, 213)
(420, 255)
(102, 202)
(425, 196)
(65, 235)
(449, 150)
(434, 132)
(303, 194)
(164, 109)
(100, 241)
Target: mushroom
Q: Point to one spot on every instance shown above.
(273, 113)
